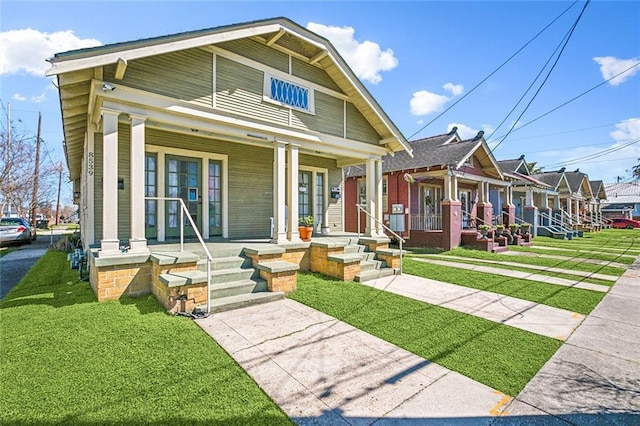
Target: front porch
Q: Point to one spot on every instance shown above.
(242, 272)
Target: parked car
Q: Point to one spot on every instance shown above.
(16, 230)
(623, 223)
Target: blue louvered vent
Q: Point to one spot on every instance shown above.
(289, 94)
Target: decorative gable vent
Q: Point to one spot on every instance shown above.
(288, 93)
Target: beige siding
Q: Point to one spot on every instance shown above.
(314, 74)
(258, 52)
(239, 89)
(250, 179)
(328, 118)
(124, 195)
(185, 75)
(358, 127)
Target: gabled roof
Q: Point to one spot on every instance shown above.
(598, 190)
(441, 151)
(553, 179)
(518, 165)
(628, 192)
(75, 72)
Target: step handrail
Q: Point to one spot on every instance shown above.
(183, 210)
(401, 240)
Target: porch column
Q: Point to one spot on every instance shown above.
(508, 208)
(292, 193)
(371, 197)
(279, 183)
(484, 209)
(110, 244)
(447, 188)
(570, 209)
(88, 216)
(137, 241)
(578, 212)
(530, 211)
(378, 197)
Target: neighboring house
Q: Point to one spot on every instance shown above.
(623, 200)
(531, 197)
(430, 198)
(599, 194)
(248, 124)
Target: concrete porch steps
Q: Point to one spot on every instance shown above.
(375, 274)
(243, 300)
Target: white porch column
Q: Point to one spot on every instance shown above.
(454, 181)
(447, 188)
(292, 193)
(371, 197)
(88, 196)
(279, 185)
(109, 245)
(529, 197)
(137, 242)
(378, 212)
(160, 189)
(481, 193)
(578, 213)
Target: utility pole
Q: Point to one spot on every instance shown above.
(59, 185)
(34, 202)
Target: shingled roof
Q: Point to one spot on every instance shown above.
(575, 180)
(514, 165)
(550, 178)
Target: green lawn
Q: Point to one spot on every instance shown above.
(574, 265)
(66, 359)
(502, 357)
(572, 299)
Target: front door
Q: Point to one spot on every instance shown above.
(183, 181)
(465, 200)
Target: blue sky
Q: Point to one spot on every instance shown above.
(416, 58)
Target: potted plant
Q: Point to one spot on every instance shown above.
(499, 230)
(305, 227)
(514, 228)
(525, 227)
(484, 228)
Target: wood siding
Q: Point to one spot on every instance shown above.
(239, 89)
(358, 128)
(313, 74)
(329, 116)
(258, 52)
(185, 75)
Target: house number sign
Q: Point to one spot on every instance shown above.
(90, 164)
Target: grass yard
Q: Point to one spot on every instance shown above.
(572, 299)
(67, 359)
(502, 357)
(574, 265)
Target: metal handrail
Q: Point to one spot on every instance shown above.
(400, 239)
(183, 210)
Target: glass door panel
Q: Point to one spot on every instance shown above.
(215, 198)
(183, 181)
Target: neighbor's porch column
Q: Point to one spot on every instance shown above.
(292, 193)
(137, 241)
(578, 212)
(374, 197)
(109, 245)
(279, 186)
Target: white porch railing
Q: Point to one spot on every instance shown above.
(401, 240)
(183, 210)
(426, 222)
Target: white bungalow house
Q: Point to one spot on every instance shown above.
(249, 125)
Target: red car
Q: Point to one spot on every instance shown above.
(622, 223)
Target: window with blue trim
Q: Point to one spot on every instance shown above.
(288, 93)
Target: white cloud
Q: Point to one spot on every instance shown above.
(466, 132)
(424, 102)
(455, 89)
(26, 50)
(610, 66)
(366, 59)
(19, 97)
(627, 130)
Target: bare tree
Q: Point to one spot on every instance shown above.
(17, 165)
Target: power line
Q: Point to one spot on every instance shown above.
(566, 42)
(573, 146)
(575, 98)
(494, 71)
(595, 155)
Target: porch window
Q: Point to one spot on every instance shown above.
(319, 196)
(150, 186)
(430, 217)
(304, 194)
(385, 205)
(362, 191)
(288, 93)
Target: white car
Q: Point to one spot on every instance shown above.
(16, 230)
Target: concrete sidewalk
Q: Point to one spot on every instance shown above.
(322, 371)
(526, 315)
(568, 258)
(582, 274)
(594, 378)
(517, 274)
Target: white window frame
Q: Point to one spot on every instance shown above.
(266, 93)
